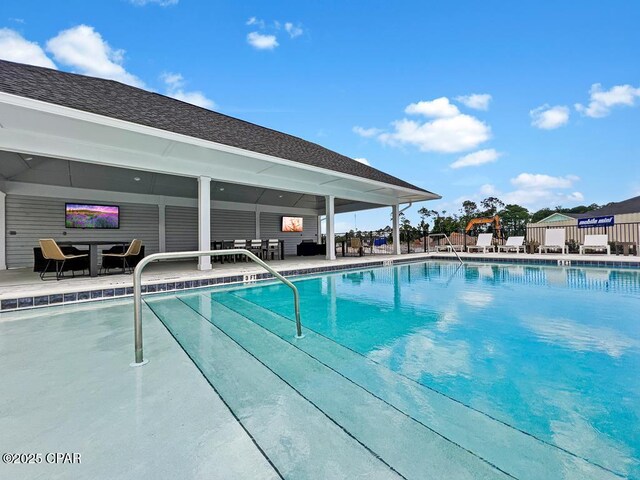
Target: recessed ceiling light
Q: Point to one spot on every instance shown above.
(222, 189)
(280, 196)
(28, 158)
(137, 179)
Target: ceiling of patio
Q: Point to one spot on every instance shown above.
(15, 167)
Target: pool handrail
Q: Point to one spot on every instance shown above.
(137, 289)
(448, 241)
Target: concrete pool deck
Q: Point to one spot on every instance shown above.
(72, 391)
(22, 288)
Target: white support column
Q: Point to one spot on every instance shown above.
(395, 209)
(162, 230)
(204, 221)
(329, 201)
(3, 232)
(319, 241)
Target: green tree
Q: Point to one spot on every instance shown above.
(514, 219)
(491, 206)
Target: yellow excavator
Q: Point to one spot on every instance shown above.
(495, 220)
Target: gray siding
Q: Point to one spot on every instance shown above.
(232, 224)
(271, 226)
(181, 228)
(32, 218)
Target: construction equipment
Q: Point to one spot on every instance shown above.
(495, 220)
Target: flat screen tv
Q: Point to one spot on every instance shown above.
(81, 215)
(291, 224)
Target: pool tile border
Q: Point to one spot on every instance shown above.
(24, 303)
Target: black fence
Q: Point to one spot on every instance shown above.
(624, 238)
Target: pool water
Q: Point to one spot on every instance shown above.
(429, 370)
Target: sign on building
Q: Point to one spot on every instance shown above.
(595, 222)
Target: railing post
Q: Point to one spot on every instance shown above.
(137, 290)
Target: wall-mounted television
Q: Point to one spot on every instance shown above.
(291, 224)
(82, 215)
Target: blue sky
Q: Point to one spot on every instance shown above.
(536, 102)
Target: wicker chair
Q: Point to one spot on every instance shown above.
(52, 253)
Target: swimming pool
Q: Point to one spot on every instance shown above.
(428, 370)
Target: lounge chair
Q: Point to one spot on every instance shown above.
(595, 242)
(554, 239)
(445, 247)
(132, 251)
(52, 253)
(483, 243)
(516, 243)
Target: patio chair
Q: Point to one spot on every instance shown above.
(516, 243)
(52, 253)
(595, 242)
(255, 247)
(554, 239)
(273, 249)
(132, 251)
(240, 243)
(449, 248)
(483, 243)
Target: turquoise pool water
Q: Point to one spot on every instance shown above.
(479, 371)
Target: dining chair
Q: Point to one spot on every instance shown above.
(132, 251)
(52, 253)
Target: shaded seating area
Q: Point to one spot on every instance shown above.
(265, 249)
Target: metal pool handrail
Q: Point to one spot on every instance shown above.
(448, 241)
(137, 289)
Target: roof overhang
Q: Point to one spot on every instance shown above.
(39, 128)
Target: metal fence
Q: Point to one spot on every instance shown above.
(624, 238)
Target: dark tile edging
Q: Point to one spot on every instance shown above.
(24, 303)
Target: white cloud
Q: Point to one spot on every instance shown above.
(84, 49)
(535, 191)
(15, 48)
(175, 83)
(293, 30)
(476, 158)
(255, 21)
(162, 3)
(367, 132)
(488, 189)
(446, 135)
(601, 102)
(538, 180)
(262, 42)
(438, 108)
(362, 160)
(477, 101)
(548, 118)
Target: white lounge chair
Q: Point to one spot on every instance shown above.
(595, 242)
(554, 239)
(483, 243)
(516, 243)
(448, 248)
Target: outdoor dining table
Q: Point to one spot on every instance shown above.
(93, 250)
(227, 244)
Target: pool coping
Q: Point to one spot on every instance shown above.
(92, 295)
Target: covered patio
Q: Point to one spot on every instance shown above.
(183, 178)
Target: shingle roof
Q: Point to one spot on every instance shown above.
(117, 100)
(631, 205)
